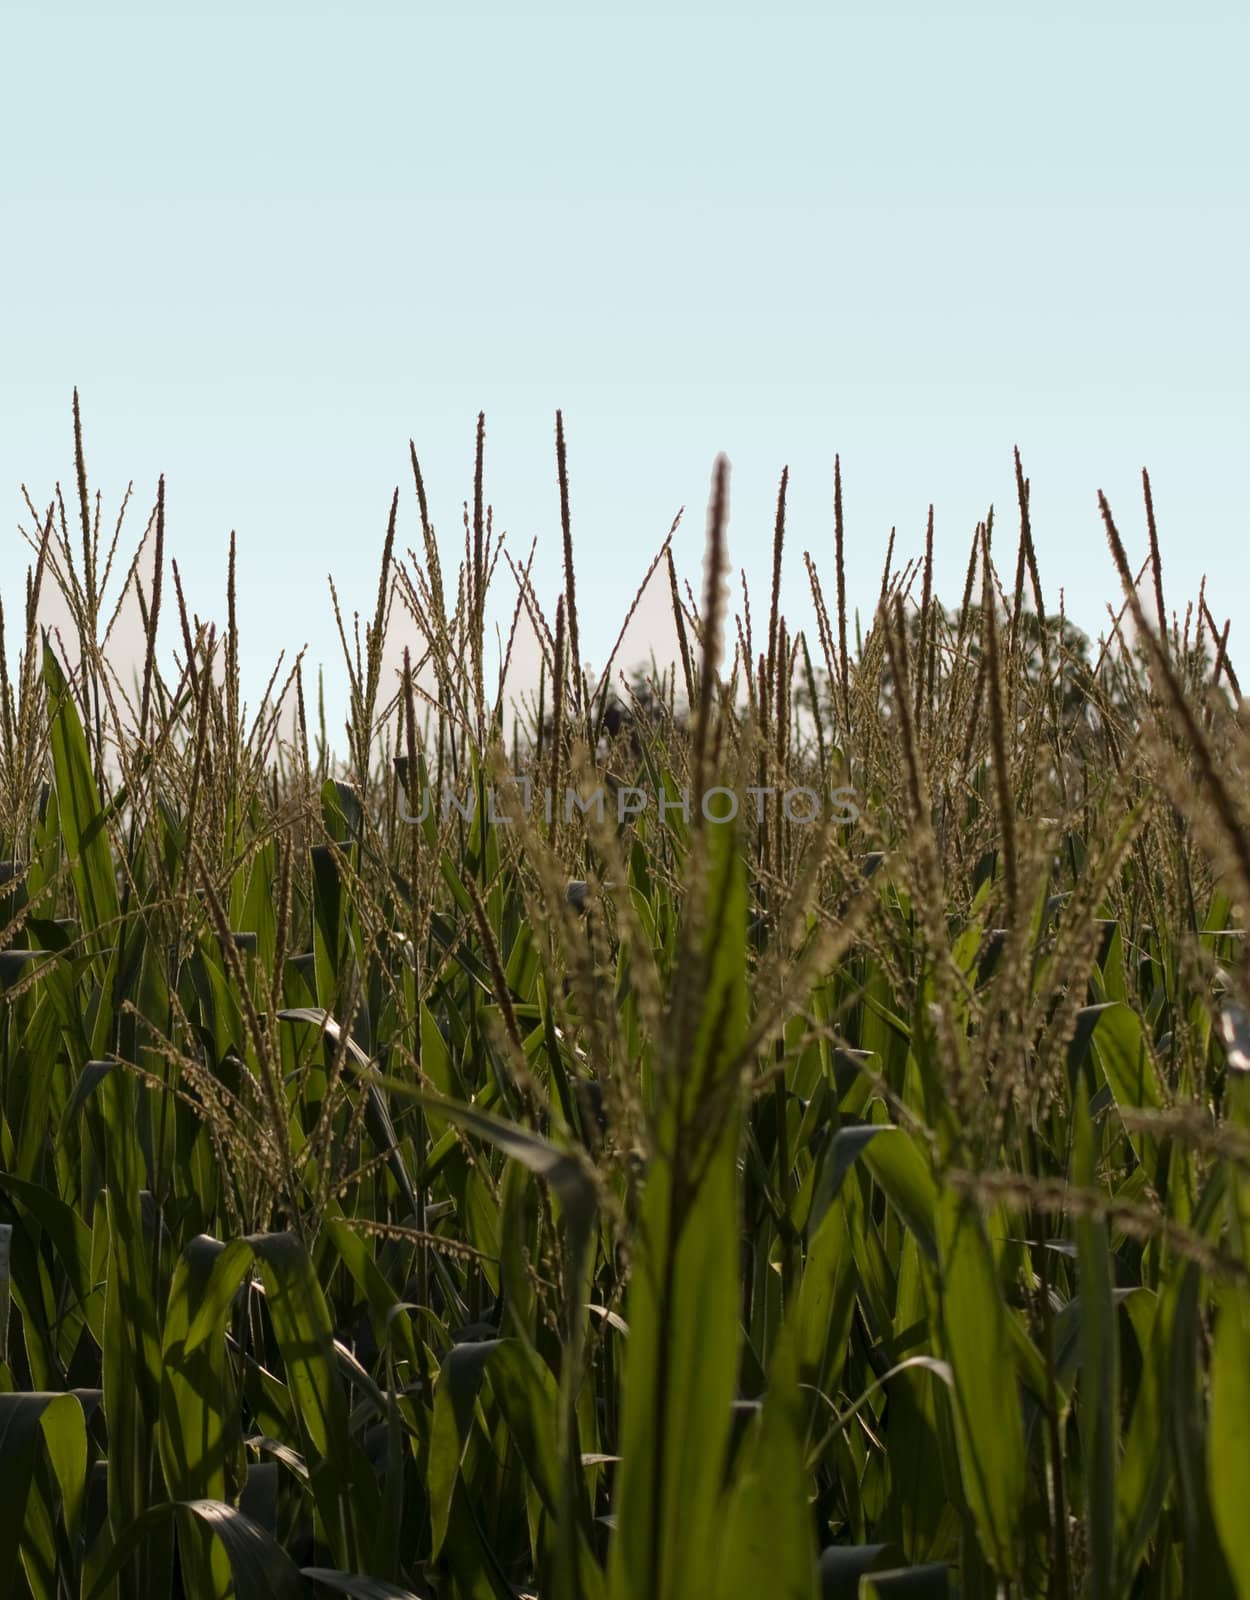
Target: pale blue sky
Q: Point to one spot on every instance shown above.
(271, 245)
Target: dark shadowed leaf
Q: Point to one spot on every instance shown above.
(363, 1588)
(261, 1569)
(930, 1582)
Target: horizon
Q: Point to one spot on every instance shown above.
(270, 256)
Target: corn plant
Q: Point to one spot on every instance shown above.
(405, 1191)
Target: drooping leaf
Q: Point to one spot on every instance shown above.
(342, 1482)
(259, 1567)
(25, 1419)
(359, 1588)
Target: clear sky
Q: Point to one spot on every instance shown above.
(272, 244)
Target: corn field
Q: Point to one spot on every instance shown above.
(406, 1191)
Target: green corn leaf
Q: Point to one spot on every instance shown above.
(200, 1437)
(206, 1283)
(131, 1372)
(988, 1426)
(24, 1420)
(1120, 1050)
(1187, 1415)
(846, 1146)
(384, 1303)
(377, 1114)
(526, 1393)
(345, 1488)
(931, 1364)
(69, 1234)
(680, 1365)
(455, 1403)
(259, 1567)
(1100, 1368)
(1228, 1443)
(903, 1174)
(769, 1540)
(826, 1301)
(681, 1358)
(565, 1173)
(6, 1250)
(1145, 1466)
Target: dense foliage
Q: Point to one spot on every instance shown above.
(493, 1204)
